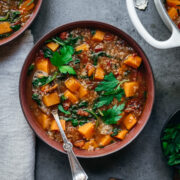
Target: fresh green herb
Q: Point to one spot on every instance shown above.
(97, 55)
(93, 32)
(71, 40)
(61, 109)
(82, 122)
(84, 77)
(67, 69)
(100, 112)
(63, 98)
(16, 27)
(30, 68)
(115, 132)
(43, 80)
(95, 115)
(14, 15)
(112, 116)
(76, 61)
(78, 52)
(171, 144)
(75, 122)
(48, 53)
(30, 3)
(64, 58)
(5, 17)
(109, 83)
(111, 89)
(4, 35)
(83, 104)
(58, 41)
(35, 97)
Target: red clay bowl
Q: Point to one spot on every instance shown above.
(110, 148)
(27, 24)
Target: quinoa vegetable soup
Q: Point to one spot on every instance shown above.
(173, 8)
(95, 80)
(13, 15)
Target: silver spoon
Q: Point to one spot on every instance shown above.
(77, 171)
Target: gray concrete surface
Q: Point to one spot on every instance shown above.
(141, 160)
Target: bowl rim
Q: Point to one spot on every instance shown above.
(26, 25)
(89, 24)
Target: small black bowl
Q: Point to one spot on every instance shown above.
(173, 120)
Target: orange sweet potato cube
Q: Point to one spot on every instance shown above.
(72, 84)
(82, 92)
(173, 3)
(54, 126)
(44, 121)
(99, 74)
(98, 36)
(133, 61)
(43, 65)
(51, 99)
(82, 47)
(91, 143)
(173, 13)
(87, 130)
(26, 6)
(91, 71)
(72, 97)
(53, 46)
(105, 140)
(121, 135)
(129, 121)
(130, 88)
(5, 27)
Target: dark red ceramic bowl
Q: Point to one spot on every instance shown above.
(110, 148)
(27, 24)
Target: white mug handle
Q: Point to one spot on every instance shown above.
(173, 41)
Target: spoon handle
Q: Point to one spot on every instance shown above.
(77, 171)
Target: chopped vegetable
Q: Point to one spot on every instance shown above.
(5, 27)
(43, 65)
(73, 98)
(129, 121)
(112, 116)
(87, 130)
(35, 97)
(54, 126)
(98, 36)
(82, 47)
(130, 88)
(99, 74)
(53, 46)
(171, 144)
(105, 140)
(43, 80)
(133, 61)
(61, 109)
(72, 84)
(121, 134)
(51, 99)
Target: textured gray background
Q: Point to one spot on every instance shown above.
(141, 160)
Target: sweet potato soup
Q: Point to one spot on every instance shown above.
(95, 80)
(173, 8)
(13, 15)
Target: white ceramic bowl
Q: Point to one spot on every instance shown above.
(173, 41)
